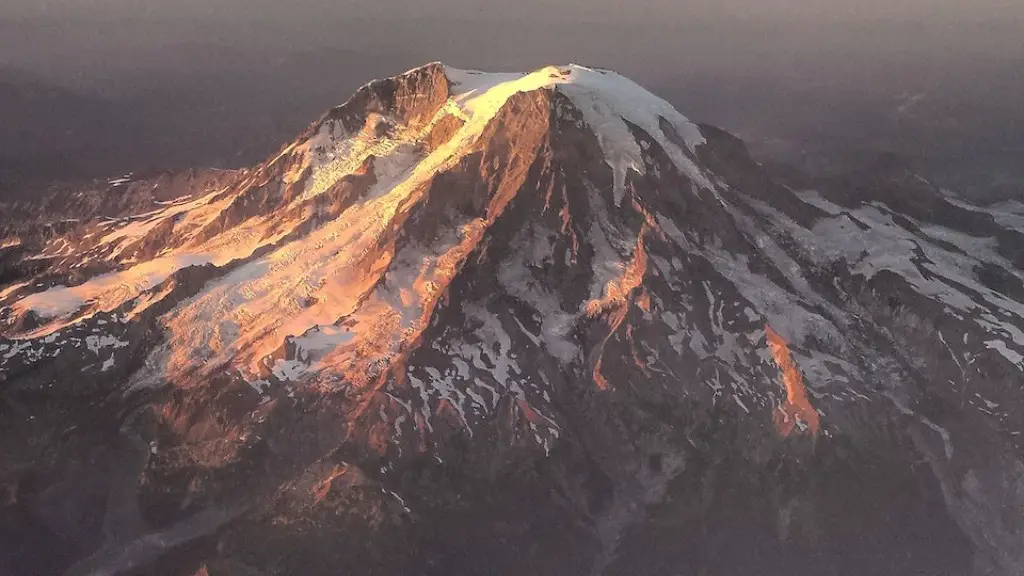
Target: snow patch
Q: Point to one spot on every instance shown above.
(1012, 356)
(96, 343)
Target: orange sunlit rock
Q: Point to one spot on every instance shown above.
(618, 291)
(323, 489)
(797, 408)
(617, 296)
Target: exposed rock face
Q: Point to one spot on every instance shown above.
(508, 324)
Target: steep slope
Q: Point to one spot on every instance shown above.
(497, 324)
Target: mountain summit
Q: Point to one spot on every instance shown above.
(541, 323)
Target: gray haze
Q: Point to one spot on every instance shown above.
(576, 10)
(133, 84)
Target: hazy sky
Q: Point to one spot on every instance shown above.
(508, 32)
(835, 71)
(605, 10)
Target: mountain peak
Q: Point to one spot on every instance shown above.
(458, 292)
(610, 105)
(344, 194)
(608, 102)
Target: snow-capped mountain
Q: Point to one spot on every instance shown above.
(542, 323)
